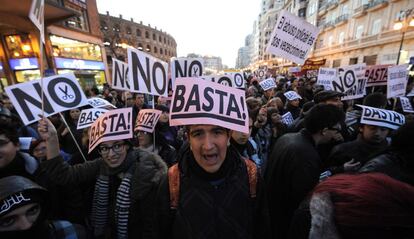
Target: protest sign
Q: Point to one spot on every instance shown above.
(88, 116)
(411, 93)
(260, 73)
(376, 75)
(61, 93)
(287, 119)
(357, 91)
(325, 77)
(112, 125)
(198, 101)
(294, 69)
(36, 15)
(147, 119)
(186, 67)
(397, 80)
(406, 105)
(380, 117)
(292, 95)
(25, 142)
(237, 79)
(120, 75)
(234, 80)
(268, 84)
(146, 73)
(292, 37)
(97, 102)
(347, 77)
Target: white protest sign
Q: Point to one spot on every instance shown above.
(380, 117)
(411, 93)
(260, 73)
(376, 75)
(97, 102)
(357, 91)
(268, 84)
(287, 118)
(61, 93)
(292, 38)
(292, 95)
(325, 77)
(112, 125)
(88, 116)
(186, 67)
(397, 80)
(347, 77)
(120, 75)
(147, 120)
(197, 101)
(237, 79)
(147, 74)
(294, 69)
(406, 105)
(24, 142)
(36, 15)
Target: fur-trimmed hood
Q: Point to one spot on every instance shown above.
(322, 213)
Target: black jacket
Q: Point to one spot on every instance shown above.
(293, 170)
(215, 205)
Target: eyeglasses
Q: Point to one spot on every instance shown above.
(117, 148)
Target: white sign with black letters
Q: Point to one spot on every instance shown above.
(292, 95)
(325, 77)
(36, 14)
(380, 117)
(147, 74)
(287, 118)
(61, 93)
(88, 116)
(406, 105)
(120, 75)
(186, 67)
(268, 84)
(292, 38)
(97, 102)
(234, 80)
(347, 77)
(237, 79)
(397, 80)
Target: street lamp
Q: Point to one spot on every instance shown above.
(404, 22)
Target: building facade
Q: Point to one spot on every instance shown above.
(72, 42)
(119, 33)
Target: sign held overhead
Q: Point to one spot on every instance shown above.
(380, 117)
(88, 116)
(186, 67)
(147, 120)
(120, 75)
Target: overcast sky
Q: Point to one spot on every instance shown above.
(208, 27)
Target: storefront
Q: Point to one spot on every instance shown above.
(3, 79)
(82, 58)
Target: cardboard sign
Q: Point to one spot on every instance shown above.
(347, 77)
(287, 118)
(292, 95)
(292, 38)
(357, 91)
(235, 80)
(61, 93)
(326, 76)
(120, 75)
(397, 80)
(147, 120)
(97, 102)
(380, 117)
(36, 15)
(198, 101)
(186, 67)
(406, 105)
(376, 75)
(25, 142)
(88, 116)
(112, 125)
(268, 84)
(147, 74)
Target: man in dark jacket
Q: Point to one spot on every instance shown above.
(294, 164)
(215, 197)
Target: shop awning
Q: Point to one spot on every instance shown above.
(54, 12)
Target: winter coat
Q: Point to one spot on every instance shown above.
(293, 170)
(144, 185)
(215, 205)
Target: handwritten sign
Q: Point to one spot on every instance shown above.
(397, 80)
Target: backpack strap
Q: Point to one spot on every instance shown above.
(174, 185)
(252, 173)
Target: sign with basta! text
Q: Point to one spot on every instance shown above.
(267, 84)
(380, 117)
(147, 120)
(112, 125)
(376, 75)
(197, 101)
(88, 116)
(61, 93)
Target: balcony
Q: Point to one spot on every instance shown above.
(331, 4)
(322, 9)
(329, 25)
(341, 19)
(360, 11)
(377, 4)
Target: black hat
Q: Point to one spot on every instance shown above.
(326, 95)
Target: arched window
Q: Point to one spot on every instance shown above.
(146, 34)
(116, 28)
(138, 33)
(155, 50)
(140, 47)
(159, 39)
(148, 48)
(154, 37)
(161, 51)
(128, 30)
(104, 27)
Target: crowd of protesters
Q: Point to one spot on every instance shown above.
(325, 175)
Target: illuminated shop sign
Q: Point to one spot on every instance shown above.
(24, 63)
(76, 64)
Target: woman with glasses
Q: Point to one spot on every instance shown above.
(124, 182)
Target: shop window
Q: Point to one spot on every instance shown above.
(79, 22)
(154, 37)
(69, 48)
(128, 30)
(155, 50)
(146, 34)
(148, 48)
(19, 46)
(138, 32)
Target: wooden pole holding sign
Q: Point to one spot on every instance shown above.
(73, 137)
